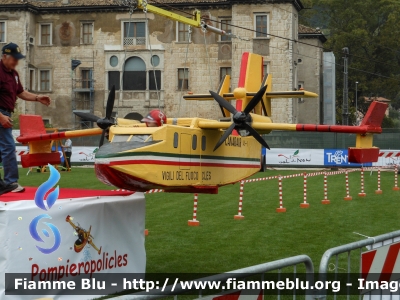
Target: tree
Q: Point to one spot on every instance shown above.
(371, 31)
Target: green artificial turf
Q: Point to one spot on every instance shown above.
(222, 244)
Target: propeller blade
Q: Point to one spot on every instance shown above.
(227, 133)
(110, 103)
(225, 104)
(256, 99)
(87, 116)
(103, 135)
(256, 135)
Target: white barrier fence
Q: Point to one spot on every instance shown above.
(79, 154)
(276, 157)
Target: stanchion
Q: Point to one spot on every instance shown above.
(396, 169)
(362, 193)
(348, 197)
(194, 222)
(280, 209)
(325, 201)
(305, 204)
(379, 191)
(239, 216)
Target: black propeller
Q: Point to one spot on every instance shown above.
(241, 120)
(107, 122)
(87, 116)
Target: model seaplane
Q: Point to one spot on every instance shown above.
(195, 155)
(84, 237)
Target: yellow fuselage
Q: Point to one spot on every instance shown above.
(175, 158)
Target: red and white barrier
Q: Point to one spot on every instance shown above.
(348, 197)
(396, 169)
(362, 193)
(379, 191)
(305, 204)
(154, 191)
(194, 221)
(280, 209)
(239, 216)
(325, 201)
(305, 176)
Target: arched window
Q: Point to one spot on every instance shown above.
(135, 77)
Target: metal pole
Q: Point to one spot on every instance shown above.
(239, 216)
(345, 112)
(356, 103)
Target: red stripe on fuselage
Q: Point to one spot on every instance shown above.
(177, 163)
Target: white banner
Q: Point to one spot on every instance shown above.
(388, 158)
(79, 154)
(295, 157)
(41, 243)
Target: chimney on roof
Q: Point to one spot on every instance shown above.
(65, 2)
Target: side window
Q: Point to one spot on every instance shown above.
(176, 140)
(203, 143)
(194, 142)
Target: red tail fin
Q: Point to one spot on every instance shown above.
(365, 152)
(375, 114)
(31, 125)
(40, 153)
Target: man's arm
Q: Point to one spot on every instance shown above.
(27, 96)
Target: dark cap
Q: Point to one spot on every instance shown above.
(13, 50)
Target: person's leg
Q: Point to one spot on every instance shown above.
(8, 156)
(1, 180)
(69, 154)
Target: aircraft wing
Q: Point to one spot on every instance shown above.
(294, 127)
(33, 130)
(363, 152)
(58, 135)
(231, 96)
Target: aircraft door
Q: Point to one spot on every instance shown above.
(186, 151)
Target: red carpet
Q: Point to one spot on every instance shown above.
(29, 194)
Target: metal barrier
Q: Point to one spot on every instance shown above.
(278, 265)
(335, 252)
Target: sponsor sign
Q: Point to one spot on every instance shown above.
(295, 157)
(324, 158)
(339, 158)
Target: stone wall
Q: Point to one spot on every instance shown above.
(310, 73)
(203, 58)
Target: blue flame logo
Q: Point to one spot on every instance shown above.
(52, 197)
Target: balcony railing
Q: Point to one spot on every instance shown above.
(134, 41)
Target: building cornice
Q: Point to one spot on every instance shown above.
(319, 36)
(110, 8)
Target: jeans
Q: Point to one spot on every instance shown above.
(67, 158)
(8, 155)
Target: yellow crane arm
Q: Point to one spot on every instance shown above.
(195, 22)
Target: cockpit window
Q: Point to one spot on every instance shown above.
(121, 138)
(141, 138)
(132, 138)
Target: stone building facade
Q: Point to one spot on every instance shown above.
(309, 69)
(149, 58)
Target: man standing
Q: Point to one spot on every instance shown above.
(10, 89)
(68, 153)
